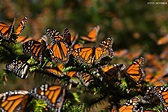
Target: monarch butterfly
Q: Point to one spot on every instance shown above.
(68, 38)
(162, 94)
(23, 39)
(58, 48)
(135, 71)
(163, 40)
(35, 48)
(92, 55)
(19, 67)
(78, 45)
(120, 53)
(59, 51)
(6, 31)
(85, 78)
(54, 35)
(15, 101)
(21, 27)
(132, 105)
(92, 36)
(53, 95)
(111, 71)
(57, 70)
(152, 79)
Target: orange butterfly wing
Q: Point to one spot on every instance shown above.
(23, 39)
(130, 105)
(14, 101)
(6, 31)
(92, 55)
(92, 35)
(111, 71)
(35, 48)
(135, 70)
(54, 35)
(53, 95)
(57, 70)
(21, 26)
(162, 94)
(59, 52)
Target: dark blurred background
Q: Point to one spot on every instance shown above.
(135, 25)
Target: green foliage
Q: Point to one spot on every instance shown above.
(69, 107)
(39, 105)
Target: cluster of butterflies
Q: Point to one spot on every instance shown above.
(19, 100)
(61, 55)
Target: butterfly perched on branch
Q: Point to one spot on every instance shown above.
(15, 101)
(53, 95)
(135, 70)
(93, 55)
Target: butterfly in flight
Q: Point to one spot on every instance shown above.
(135, 70)
(53, 95)
(93, 55)
(92, 35)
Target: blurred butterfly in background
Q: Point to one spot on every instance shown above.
(163, 40)
(53, 95)
(18, 67)
(92, 35)
(15, 101)
(93, 55)
(135, 71)
(152, 79)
